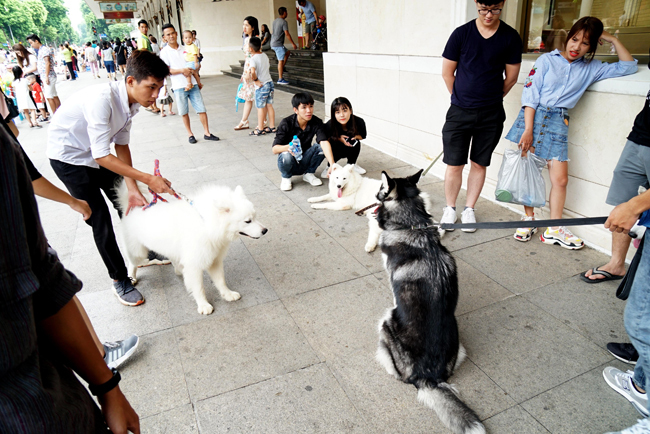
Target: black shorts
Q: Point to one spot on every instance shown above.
(482, 127)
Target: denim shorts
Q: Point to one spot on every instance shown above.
(550, 132)
(264, 95)
(191, 65)
(280, 52)
(193, 95)
(110, 66)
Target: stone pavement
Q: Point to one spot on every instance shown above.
(296, 353)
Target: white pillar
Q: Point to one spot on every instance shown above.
(585, 8)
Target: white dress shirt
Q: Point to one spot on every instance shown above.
(84, 127)
(175, 60)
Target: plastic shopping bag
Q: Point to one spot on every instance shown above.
(520, 179)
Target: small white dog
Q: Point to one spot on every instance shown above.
(194, 236)
(349, 190)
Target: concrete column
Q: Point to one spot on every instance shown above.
(585, 8)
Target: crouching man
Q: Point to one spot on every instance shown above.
(305, 126)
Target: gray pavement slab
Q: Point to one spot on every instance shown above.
(312, 298)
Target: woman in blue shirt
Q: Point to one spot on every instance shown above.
(554, 85)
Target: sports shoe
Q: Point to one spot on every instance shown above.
(525, 234)
(323, 174)
(283, 81)
(360, 170)
(624, 352)
(155, 259)
(117, 352)
(285, 185)
(467, 216)
(642, 427)
(622, 383)
(448, 216)
(563, 237)
(310, 178)
(126, 293)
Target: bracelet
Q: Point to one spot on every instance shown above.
(102, 389)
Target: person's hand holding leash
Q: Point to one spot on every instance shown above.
(160, 185)
(622, 218)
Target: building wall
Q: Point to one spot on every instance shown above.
(386, 58)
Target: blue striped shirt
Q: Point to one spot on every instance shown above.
(554, 82)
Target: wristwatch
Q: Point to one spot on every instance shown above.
(106, 387)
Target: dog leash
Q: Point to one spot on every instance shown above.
(584, 221)
(156, 196)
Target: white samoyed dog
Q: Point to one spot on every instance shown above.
(349, 190)
(194, 236)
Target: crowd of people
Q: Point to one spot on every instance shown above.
(481, 63)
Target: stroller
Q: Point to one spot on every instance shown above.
(319, 36)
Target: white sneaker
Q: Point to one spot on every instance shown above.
(285, 185)
(525, 234)
(360, 170)
(448, 216)
(622, 383)
(310, 178)
(642, 427)
(467, 216)
(324, 173)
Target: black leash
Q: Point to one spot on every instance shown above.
(521, 223)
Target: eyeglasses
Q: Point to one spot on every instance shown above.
(493, 11)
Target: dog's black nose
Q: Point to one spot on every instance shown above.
(338, 186)
(264, 231)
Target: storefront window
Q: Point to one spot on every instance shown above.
(547, 23)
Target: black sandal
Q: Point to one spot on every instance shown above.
(257, 132)
(269, 130)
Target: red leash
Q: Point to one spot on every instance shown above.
(156, 196)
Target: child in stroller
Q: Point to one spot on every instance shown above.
(319, 35)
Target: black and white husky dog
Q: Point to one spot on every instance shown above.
(418, 337)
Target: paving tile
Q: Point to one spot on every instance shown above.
(306, 401)
(294, 228)
(403, 172)
(514, 420)
(293, 268)
(229, 170)
(476, 290)
(150, 378)
(523, 267)
(271, 205)
(114, 321)
(252, 184)
(242, 275)
(224, 353)
(583, 404)
(341, 319)
(525, 350)
(179, 420)
(90, 269)
(592, 310)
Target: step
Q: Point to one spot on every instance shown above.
(312, 54)
(295, 70)
(306, 82)
(319, 95)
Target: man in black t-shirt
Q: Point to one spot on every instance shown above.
(305, 126)
(630, 173)
(475, 58)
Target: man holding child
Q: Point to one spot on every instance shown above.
(474, 61)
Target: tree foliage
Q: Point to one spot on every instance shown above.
(47, 18)
(112, 31)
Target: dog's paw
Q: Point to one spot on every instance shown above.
(317, 206)
(232, 296)
(205, 309)
(312, 199)
(370, 247)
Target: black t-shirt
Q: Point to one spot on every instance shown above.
(289, 127)
(481, 63)
(641, 130)
(360, 127)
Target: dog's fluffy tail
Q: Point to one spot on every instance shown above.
(123, 194)
(453, 412)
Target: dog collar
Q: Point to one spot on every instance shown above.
(375, 205)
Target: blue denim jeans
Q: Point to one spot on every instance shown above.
(194, 97)
(311, 159)
(637, 318)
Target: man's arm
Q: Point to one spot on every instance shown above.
(47, 69)
(512, 73)
(448, 71)
(623, 217)
(327, 151)
(71, 337)
(288, 35)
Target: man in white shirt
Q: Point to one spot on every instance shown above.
(172, 55)
(79, 149)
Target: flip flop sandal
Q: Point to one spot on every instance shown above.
(268, 130)
(596, 271)
(257, 132)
